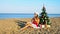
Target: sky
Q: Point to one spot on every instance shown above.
(29, 6)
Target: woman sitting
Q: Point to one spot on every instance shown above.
(34, 22)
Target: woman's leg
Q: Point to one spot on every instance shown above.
(27, 25)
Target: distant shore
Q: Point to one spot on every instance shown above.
(9, 26)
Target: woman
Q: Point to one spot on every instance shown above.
(34, 22)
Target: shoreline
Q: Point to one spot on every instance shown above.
(23, 18)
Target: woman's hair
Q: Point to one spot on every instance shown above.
(36, 16)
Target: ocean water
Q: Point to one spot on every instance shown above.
(22, 15)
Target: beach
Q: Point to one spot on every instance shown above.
(9, 26)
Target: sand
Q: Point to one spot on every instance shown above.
(9, 26)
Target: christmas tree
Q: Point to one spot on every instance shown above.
(44, 19)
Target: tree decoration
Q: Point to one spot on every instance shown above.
(44, 19)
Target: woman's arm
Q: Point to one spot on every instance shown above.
(37, 20)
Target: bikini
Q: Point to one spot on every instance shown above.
(34, 22)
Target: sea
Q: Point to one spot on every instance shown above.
(23, 15)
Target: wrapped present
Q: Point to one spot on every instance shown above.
(43, 26)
